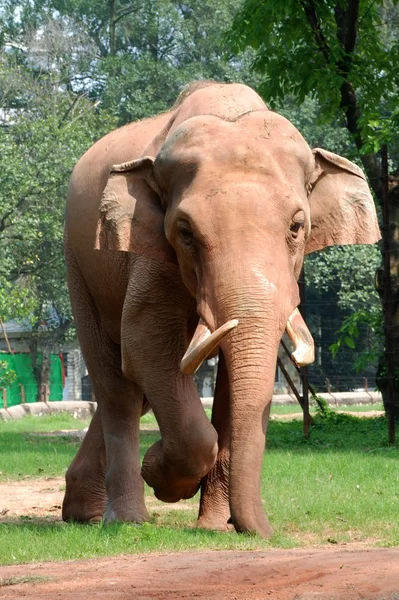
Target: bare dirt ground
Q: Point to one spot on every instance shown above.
(42, 499)
(32, 498)
(349, 573)
(279, 574)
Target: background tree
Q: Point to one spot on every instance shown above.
(69, 72)
(44, 128)
(343, 307)
(345, 54)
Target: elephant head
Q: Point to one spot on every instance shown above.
(237, 204)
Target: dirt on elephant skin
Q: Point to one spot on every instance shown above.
(318, 574)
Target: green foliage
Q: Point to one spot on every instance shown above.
(44, 129)
(323, 411)
(135, 58)
(16, 301)
(312, 34)
(7, 376)
(341, 293)
(349, 271)
(349, 333)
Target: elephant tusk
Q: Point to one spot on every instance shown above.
(301, 338)
(202, 344)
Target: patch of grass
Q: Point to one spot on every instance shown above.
(287, 409)
(340, 486)
(65, 542)
(24, 456)
(7, 581)
(47, 423)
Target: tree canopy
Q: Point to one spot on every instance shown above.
(71, 70)
(344, 54)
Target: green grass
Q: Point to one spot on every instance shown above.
(287, 409)
(341, 486)
(23, 454)
(45, 424)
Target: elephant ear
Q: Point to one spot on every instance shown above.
(131, 217)
(342, 209)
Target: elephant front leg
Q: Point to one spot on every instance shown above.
(85, 495)
(175, 465)
(152, 352)
(214, 510)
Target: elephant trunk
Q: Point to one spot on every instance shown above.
(251, 354)
(248, 315)
(250, 346)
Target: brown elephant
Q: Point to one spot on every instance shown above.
(202, 235)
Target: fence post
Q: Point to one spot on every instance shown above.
(5, 337)
(46, 393)
(22, 390)
(5, 405)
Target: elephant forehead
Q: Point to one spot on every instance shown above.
(255, 140)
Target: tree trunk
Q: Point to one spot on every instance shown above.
(112, 27)
(347, 22)
(36, 368)
(45, 368)
(382, 374)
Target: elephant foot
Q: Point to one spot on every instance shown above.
(178, 490)
(175, 480)
(126, 509)
(255, 524)
(82, 507)
(85, 494)
(214, 523)
(85, 498)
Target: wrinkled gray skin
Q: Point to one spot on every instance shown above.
(214, 223)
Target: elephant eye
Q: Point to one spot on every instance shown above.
(185, 232)
(297, 223)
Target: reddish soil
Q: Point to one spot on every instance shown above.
(35, 498)
(279, 574)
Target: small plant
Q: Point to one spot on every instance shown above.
(348, 333)
(323, 411)
(7, 375)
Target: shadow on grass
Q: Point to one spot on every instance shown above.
(40, 529)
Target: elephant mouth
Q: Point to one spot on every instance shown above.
(204, 342)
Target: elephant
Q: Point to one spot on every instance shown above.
(185, 235)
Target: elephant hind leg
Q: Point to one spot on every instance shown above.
(105, 475)
(85, 496)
